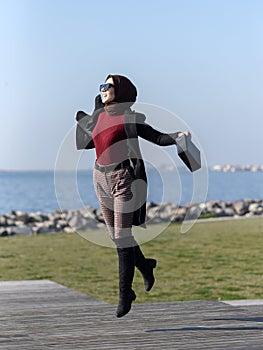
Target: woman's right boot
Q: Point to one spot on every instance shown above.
(126, 274)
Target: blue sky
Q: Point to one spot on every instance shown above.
(201, 60)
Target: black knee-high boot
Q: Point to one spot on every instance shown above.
(145, 266)
(126, 274)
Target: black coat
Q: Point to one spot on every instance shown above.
(134, 124)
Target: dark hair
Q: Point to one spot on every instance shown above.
(125, 91)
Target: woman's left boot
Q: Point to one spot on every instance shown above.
(126, 274)
(145, 266)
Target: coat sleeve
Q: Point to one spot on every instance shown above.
(83, 131)
(148, 133)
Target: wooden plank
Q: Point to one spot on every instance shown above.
(45, 315)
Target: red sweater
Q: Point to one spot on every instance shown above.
(109, 138)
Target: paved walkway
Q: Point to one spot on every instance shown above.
(40, 315)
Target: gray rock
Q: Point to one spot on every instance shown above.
(37, 217)
(99, 216)
(150, 205)
(255, 208)
(19, 223)
(61, 224)
(177, 218)
(154, 220)
(3, 232)
(193, 212)
(259, 211)
(10, 222)
(76, 220)
(203, 207)
(241, 207)
(153, 212)
(229, 211)
(12, 215)
(20, 230)
(71, 214)
(219, 212)
(162, 212)
(88, 213)
(22, 216)
(79, 223)
(228, 204)
(42, 229)
(216, 204)
(3, 221)
(179, 215)
(68, 229)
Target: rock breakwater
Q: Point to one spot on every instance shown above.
(89, 218)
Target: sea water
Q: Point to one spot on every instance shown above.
(32, 191)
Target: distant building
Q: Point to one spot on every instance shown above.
(234, 168)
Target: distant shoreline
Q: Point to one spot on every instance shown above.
(236, 168)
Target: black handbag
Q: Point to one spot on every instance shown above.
(188, 152)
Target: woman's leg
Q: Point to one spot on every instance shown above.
(124, 242)
(105, 187)
(105, 199)
(123, 217)
(126, 274)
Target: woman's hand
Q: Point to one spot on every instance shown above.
(186, 133)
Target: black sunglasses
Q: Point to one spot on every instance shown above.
(106, 86)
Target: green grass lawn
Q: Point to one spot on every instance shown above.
(214, 260)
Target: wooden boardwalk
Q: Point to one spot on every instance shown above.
(40, 315)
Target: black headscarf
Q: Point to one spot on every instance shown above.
(125, 95)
